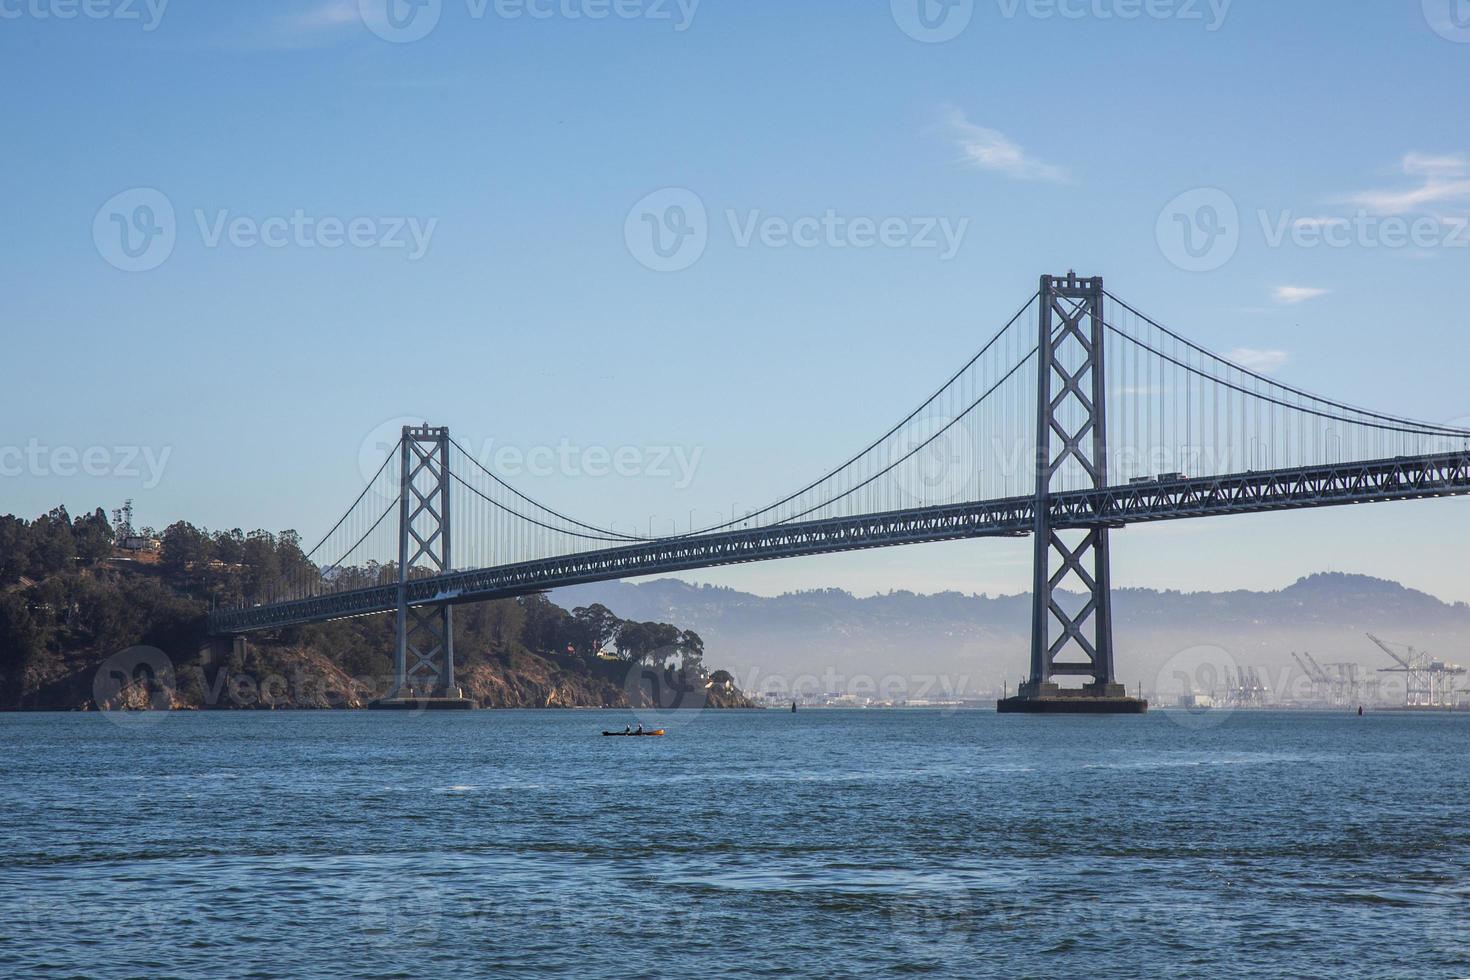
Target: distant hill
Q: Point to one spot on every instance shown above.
(979, 641)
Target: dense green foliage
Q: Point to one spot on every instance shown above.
(69, 599)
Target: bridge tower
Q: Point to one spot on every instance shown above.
(423, 655)
(1071, 438)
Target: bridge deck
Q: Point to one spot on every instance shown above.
(1403, 478)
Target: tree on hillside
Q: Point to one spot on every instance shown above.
(691, 652)
(93, 535)
(548, 628)
(184, 545)
(263, 568)
(631, 641)
(15, 549)
(499, 623)
(596, 626)
(229, 546)
(20, 644)
(294, 565)
(645, 642)
(54, 547)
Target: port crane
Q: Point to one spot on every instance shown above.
(1430, 682)
(1321, 683)
(1335, 684)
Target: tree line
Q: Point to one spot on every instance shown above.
(79, 604)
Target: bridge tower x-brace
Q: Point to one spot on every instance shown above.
(1067, 639)
(423, 654)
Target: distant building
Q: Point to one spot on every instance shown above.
(134, 542)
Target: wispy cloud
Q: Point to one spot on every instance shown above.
(990, 149)
(1440, 180)
(1258, 360)
(313, 25)
(1297, 294)
(325, 16)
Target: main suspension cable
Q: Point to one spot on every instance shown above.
(611, 535)
(879, 441)
(1428, 428)
(1276, 401)
(391, 453)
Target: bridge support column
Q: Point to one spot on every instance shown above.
(423, 655)
(1071, 639)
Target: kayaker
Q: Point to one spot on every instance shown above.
(640, 730)
(627, 730)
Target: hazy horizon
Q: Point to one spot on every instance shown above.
(499, 285)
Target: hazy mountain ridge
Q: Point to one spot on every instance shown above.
(984, 639)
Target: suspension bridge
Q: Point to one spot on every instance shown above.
(1080, 416)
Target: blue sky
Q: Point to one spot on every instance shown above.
(451, 220)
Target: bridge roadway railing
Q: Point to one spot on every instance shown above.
(1403, 478)
(1375, 481)
(1013, 516)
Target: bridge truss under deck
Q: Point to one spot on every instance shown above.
(1404, 478)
